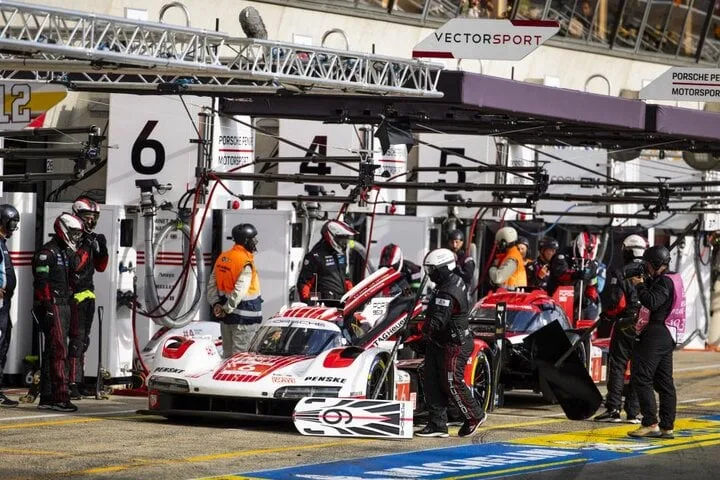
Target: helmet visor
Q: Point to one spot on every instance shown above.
(74, 236)
(89, 220)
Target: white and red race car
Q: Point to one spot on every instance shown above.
(303, 351)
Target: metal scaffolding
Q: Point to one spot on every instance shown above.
(95, 52)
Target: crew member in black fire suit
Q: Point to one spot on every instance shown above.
(465, 266)
(9, 219)
(324, 272)
(391, 256)
(652, 361)
(577, 266)
(538, 270)
(53, 269)
(621, 307)
(92, 256)
(448, 349)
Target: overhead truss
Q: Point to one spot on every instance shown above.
(92, 52)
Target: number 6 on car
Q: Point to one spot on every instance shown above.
(347, 417)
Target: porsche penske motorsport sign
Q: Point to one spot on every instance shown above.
(486, 39)
(685, 84)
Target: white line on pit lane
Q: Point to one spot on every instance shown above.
(699, 367)
(30, 417)
(693, 400)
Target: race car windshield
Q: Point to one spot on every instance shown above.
(522, 320)
(293, 340)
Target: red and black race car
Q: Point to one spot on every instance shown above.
(512, 351)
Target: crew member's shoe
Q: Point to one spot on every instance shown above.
(633, 419)
(6, 402)
(85, 391)
(45, 404)
(666, 433)
(432, 431)
(64, 407)
(653, 431)
(470, 426)
(609, 416)
(74, 392)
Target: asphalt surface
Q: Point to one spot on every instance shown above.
(106, 439)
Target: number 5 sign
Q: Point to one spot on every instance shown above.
(151, 139)
(480, 148)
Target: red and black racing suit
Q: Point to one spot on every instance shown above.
(566, 270)
(92, 256)
(53, 267)
(324, 272)
(621, 306)
(450, 346)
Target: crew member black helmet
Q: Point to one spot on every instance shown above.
(456, 235)
(657, 256)
(244, 234)
(549, 242)
(524, 241)
(9, 219)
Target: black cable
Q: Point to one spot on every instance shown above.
(72, 182)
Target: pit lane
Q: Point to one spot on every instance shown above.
(108, 440)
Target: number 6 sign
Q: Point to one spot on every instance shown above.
(150, 138)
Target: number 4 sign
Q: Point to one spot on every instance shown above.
(151, 139)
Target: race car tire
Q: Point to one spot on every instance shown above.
(581, 350)
(482, 380)
(374, 374)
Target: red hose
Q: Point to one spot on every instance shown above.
(135, 339)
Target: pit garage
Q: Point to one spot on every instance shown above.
(205, 130)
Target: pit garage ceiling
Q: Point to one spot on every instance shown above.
(525, 113)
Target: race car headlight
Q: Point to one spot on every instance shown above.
(168, 384)
(300, 392)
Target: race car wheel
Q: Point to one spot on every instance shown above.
(374, 375)
(482, 380)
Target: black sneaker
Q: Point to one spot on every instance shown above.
(64, 407)
(609, 416)
(470, 426)
(85, 391)
(431, 431)
(45, 404)
(6, 402)
(74, 392)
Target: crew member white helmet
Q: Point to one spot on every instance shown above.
(337, 234)
(69, 229)
(440, 257)
(505, 237)
(636, 244)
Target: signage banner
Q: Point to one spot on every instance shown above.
(152, 137)
(685, 85)
(472, 146)
(592, 160)
(486, 39)
(24, 100)
(233, 148)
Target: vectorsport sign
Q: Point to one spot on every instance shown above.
(486, 39)
(685, 84)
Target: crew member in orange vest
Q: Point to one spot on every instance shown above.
(508, 269)
(234, 291)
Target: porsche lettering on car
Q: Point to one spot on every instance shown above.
(302, 351)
